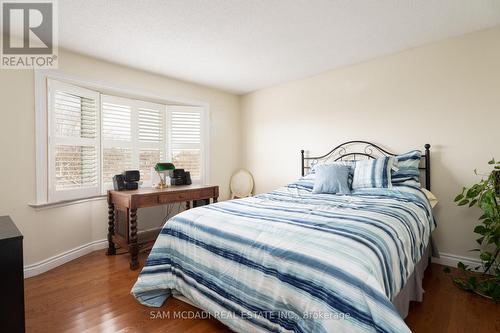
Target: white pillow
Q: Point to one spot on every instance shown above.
(432, 198)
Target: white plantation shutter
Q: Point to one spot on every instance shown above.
(117, 149)
(151, 137)
(73, 138)
(133, 137)
(186, 139)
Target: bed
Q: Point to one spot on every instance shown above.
(293, 261)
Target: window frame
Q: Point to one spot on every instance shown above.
(41, 77)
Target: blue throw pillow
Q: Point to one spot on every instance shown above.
(331, 178)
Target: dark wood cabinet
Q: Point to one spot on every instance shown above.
(11, 277)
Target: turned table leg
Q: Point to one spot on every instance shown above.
(188, 205)
(214, 199)
(111, 229)
(133, 246)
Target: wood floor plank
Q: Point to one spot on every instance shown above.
(92, 294)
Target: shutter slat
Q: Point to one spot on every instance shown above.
(115, 161)
(74, 116)
(147, 160)
(75, 167)
(116, 122)
(151, 123)
(188, 159)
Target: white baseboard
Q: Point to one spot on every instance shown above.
(448, 259)
(43, 266)
(62, 258)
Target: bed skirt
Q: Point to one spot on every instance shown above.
(413, 291)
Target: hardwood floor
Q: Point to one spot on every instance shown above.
(91, 294)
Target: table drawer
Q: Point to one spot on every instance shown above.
(175, 197)
(147, 201)
(186, 196)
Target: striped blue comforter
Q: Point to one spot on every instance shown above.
(290, 260)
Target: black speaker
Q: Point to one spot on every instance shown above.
(178, 173)
(132, 175)
(131, 185)
(118, 182)
(176, 181)
(187, 178)
(180, 177)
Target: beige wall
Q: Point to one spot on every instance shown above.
(446, 94)
(52, 231)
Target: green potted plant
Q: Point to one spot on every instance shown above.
(485, 195)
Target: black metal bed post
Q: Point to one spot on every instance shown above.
(427, 166)
(302, 161)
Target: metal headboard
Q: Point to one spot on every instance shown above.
(354, 150)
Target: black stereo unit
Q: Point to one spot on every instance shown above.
(118, 182)
(131, 185)
(176, 181)
(128, 180)
(180, 177)
(132, 175)
(178, 173)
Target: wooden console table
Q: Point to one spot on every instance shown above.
(122, 214)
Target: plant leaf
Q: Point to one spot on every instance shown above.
(472, 282)
(485, 256)
(463, 202)
(459, 197)
(480, 229)
(461, 283)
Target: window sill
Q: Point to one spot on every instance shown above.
(48, 205)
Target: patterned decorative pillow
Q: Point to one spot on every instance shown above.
(373, 173)
(349, 163)
(405, 170)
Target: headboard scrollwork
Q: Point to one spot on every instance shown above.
(356, 150)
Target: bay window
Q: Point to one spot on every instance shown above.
(92, 136)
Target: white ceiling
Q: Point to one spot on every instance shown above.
(245, 45)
